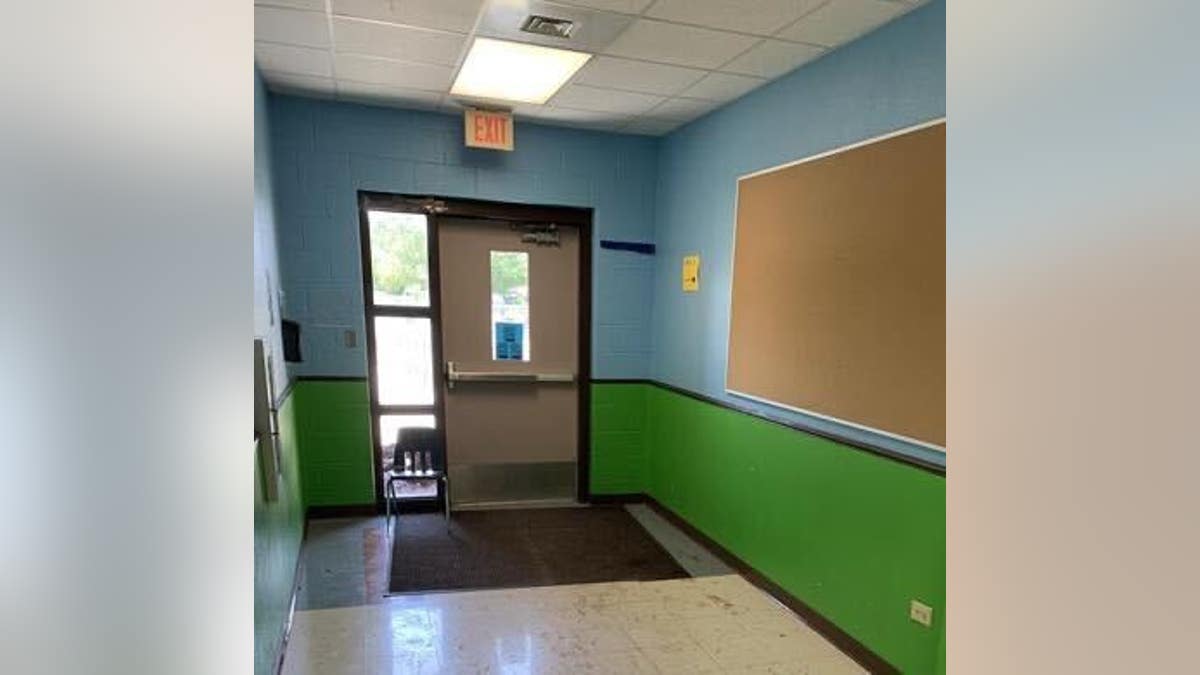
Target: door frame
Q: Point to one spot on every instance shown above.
(434, 207)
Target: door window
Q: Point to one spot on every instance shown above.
(510, 306)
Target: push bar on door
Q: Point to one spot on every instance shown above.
(453, 374)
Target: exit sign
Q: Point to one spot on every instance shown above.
(491, 129)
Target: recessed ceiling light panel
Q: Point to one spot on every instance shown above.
(515, 71)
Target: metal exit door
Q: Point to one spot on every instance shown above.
(510, 360)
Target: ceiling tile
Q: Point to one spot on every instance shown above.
(375, 38)
(679, 45)
(291, 59)
(763, 17)
(683, 108)
(578, 119)
(843, 20)
(289, 83)
(527, 109)
(454, 15)
(773, 58)
(382, 94)
(373, 70)
(547, 112)
(648, 78)
(291, 26)
(652, 126)
(581, 97)
(623, 6)
(313, 5)
(722, 86)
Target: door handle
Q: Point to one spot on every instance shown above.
(453, 374)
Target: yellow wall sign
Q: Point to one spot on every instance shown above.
(691, 273)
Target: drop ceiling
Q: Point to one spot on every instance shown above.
(658, 63)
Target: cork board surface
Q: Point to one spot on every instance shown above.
(839, 286)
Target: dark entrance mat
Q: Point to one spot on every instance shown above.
(525, 547)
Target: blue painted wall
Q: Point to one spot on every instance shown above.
(891, 78)
(677, 191)
(279, 523)
(267, 277)
(325, 151)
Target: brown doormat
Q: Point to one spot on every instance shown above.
(525, 547)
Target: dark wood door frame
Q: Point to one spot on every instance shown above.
(505, 212)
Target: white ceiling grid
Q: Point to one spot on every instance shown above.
(658, 63)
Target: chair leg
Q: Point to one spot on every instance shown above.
(446, 493)
(388, 493)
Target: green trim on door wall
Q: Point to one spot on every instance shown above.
(853, 535)
(335, 442)
(619, 464)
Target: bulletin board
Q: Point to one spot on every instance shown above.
(839, 285)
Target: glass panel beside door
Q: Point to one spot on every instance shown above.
(399, 258)
(404, 361)
(391, 430)
(401, 325)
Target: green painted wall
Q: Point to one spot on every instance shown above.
(620, 464)
(335, 442)
(325, 447)
(278, 528)
(853, 535)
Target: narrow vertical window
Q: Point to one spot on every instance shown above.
(510, 306)
(404, 360)
(399, 258)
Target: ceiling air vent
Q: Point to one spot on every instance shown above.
(545, 25)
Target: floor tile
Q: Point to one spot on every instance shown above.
(703, 625)
(681, 657)
(715, 622)
(839, 665)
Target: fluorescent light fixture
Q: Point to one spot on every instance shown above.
(515, 71)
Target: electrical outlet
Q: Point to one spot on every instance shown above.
(920, 612)
(350, 338)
